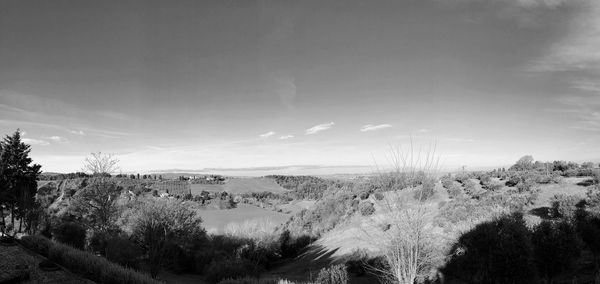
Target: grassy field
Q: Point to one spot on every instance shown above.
(215, 220)
(240, 185)
(568, 187)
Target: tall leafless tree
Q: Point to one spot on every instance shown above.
(100, 164)
(406, 239)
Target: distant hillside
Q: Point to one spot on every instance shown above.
(241, 185)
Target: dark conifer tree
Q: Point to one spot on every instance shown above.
(18, 179)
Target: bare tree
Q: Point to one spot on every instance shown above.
(100, 164)
(160, 223)
(403, 230)
(97, 204)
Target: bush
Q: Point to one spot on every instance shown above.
(587, 182)
(251, 280)
(70, 233)
(564, 206)
(123, 251)
(513, 181)
(292, 246)
(98, 241)
(230, 268)
(525, 185)
(366, 208)
(485, 180)
(426, 191)
(36, 243)
(363, 195)
(499, 251)
(556, 248)
(335, 274)
(357, 262)
(495, 186)
(588, 228)
(85, 264)
(447, 182)
(379, 196)
(454, 191)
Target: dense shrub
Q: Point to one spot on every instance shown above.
(586, 182)
(251, 280)
(291, 246)
(70, 233)
(161, 225)
(364, 195)
(366, 208)
(323, 216)
(336, 274)
(499, 251)
(97, 241)
(357, 262)
(485, 180)
(525, 185)
(455, 191)
(38, 244)
(85, 264)
(447, 182)
(564, 206)
(494, 186)
(426, 191)
(230, 268)
(462, 178)
(379, 196)
(123, 251)
(258, 238)
(512, 181)
(588, 227)
(556, 248)
(303, 187)
(471, 189)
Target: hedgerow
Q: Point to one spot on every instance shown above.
(90, 266)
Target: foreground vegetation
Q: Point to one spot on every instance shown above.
(496, 226)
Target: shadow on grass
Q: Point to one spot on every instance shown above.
(306, 266)
(542, 212)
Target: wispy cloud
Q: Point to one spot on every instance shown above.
(526, 13)
(76, 132)
(584, 109)
(266, 135)
(586, 85)
(370, 127)
(318, 128)
(284, 137)
(580, 49)
(423, 130)
(38, 142)
(58, 139)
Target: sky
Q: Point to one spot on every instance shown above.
(242, 84)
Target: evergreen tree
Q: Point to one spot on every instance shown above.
(18, 179)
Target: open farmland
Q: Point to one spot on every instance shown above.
(240, 185)
(216, 220)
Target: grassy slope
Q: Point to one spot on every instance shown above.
(351, 235)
